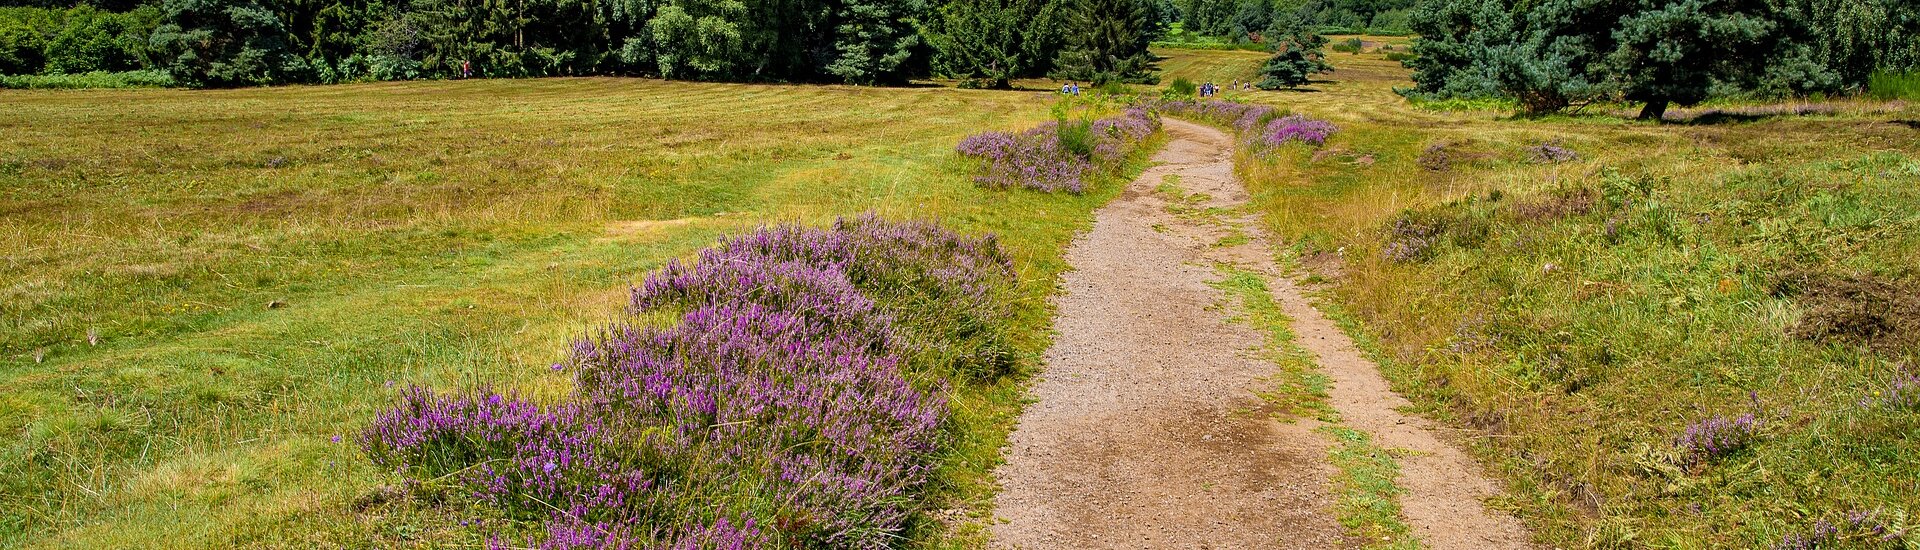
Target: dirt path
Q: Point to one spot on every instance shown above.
(1146, 432)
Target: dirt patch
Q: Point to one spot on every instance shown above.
(1857, 309)
(633, 229)
(1563, 203)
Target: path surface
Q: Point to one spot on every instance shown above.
(1146, 432)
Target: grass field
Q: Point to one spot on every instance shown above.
(1579, 318)
(203, 292)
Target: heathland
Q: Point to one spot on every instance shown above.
(210, 295)
(1694, 334)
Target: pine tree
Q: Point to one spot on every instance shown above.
(1107, 42)
(1300, 55)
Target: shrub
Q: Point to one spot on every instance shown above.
(796, 403)
(1718, 436)
(1298, 128)
(1182, 87)
(1057, 155)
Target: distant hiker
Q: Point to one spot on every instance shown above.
(1076, 89)
(466, 69)
(1066, 89)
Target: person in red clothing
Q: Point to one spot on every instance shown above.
(466, 69)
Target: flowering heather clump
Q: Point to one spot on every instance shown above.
(1038, 159)
(797, 402)
(1860, 529)
(1257, 125)
(1243, 118)
(1718, 436)
(1297, 128)
(1548, 153)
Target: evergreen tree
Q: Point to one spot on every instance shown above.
(225, 43)
(875, 40)
(992, 42)
(1300, 55)
(1107, 42)
(1675, 51)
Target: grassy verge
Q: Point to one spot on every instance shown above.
(202, 294)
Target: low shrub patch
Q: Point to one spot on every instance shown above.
(1059, 155)
(797, 401)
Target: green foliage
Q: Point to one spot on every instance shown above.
(1182, 87)
(1299, 59)
(1855, 38)
(1894, 85)
(75, 40)
(97, 79)
(1675, 52)
(1550, 54)
(226, 43)
(992, 42)
(1107, 42)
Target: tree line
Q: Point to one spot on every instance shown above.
(1548, 55)
(222, 43)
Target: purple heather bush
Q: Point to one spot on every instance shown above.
(1718, 436)
(797, 402)
(1259, 126)
(1297, 128)
(1048, 157)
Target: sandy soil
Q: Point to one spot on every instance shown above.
(1146, 432)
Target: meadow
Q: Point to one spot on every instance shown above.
(208, 296)
(1691, 335)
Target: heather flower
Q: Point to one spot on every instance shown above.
(801, 389)
(1036, 159)
(1718, 436)
(1258, 126)
(1297, 128)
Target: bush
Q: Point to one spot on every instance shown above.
(794, 404)
(1182, 87)
(1058, 155)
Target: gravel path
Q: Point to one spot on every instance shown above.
(1146, 432)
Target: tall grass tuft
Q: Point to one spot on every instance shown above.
(1885, 84)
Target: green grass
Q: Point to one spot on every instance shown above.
(1586, 339)
(1364, 482)
(203, 292)
(1894, 85)
(96, 79)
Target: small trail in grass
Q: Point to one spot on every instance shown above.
(1146, 431)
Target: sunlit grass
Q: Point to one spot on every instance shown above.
(204, 288)
(1585, 343)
